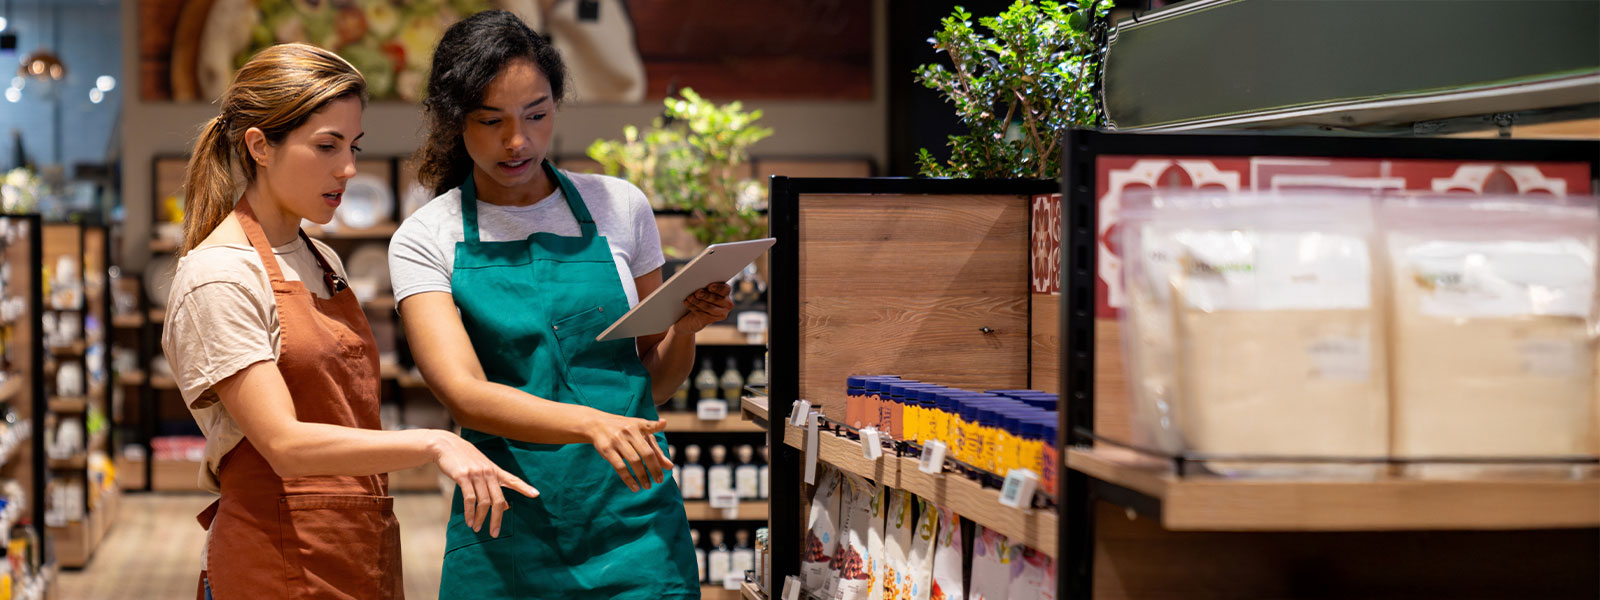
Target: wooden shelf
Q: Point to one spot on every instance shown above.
(127, 321)
(158, 315)
(98, 440)
(74, 404)
(131, 378)
(754, 409)
(162, 382)
(175, 476)
(76, 463)
(717, 592)
(1206, 503)
(384, 303)
(725, 335)
(749, 510)
(378, 232)
(752, 591)
(11, 387)
(411, 382)
(73, 349)
(75, 544)
(687, 422)
(163, 246)
(1035, 528)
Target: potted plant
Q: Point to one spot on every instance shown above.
(694, 158)
(1017, 87)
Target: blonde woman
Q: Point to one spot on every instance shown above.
(274, 356)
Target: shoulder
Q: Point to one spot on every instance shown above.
(615, 190)
(433, 217)
(232, 264)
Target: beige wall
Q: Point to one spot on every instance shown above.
(801, 128)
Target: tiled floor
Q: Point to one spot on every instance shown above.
(153, 549)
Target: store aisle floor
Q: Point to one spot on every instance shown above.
(153, 550)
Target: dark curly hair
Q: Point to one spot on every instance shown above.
(470, 55)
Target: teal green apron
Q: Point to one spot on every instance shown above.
(533, 308)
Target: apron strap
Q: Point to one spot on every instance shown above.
(258, 239)
(580, 211)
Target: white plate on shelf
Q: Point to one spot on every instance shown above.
(367, 201)
(370, 262)
(158, 278)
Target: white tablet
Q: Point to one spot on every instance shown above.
(657, 313)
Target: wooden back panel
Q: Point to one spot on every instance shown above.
(904, 284)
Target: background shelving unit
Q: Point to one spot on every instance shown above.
(1132, 527)
(927, 279)
(23, 391)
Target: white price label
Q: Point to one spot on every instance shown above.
(811, 447)
(871, 444)
(932, 457)
(732, 581)
(1018, 489)
(797, 414)
(724, 499)
(712, 410)
(791, 588)
(752, 322)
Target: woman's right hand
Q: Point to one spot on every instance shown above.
(629, 443)
(480, 480)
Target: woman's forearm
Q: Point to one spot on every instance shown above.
(508, 412)
(307, 449)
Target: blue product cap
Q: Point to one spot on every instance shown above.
(855, 382)
(988, 416)
(969, 410)
(873, 386)
(928, 398)
(1032, 429)
(948, 402)
(1050, 425)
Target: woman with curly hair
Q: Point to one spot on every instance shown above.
(504, 281)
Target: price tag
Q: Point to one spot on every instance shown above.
(752, 322)
(712, 410)
(797, 415)
(1018, 489)
(932, 457)
(871, 446)
(811, 447)
(724, 499)
(791, 588)
(732, 581)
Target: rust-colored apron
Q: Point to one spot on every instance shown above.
(307, 537)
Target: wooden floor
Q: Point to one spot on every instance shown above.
(153, 549)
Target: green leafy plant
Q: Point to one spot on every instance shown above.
(1016, 89)
(690, 159)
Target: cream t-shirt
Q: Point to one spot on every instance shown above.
(221, 318)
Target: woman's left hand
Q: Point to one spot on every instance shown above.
(706, 306)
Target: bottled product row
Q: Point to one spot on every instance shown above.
(864, 541)
(989, 434)
(1336, 326)
(700, 479)
(728, 386)
(722, 556)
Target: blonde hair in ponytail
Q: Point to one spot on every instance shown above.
(276, 92)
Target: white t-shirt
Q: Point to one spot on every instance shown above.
(423, 252)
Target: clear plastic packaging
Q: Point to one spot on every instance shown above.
(1494, 329)
(856, 566)
(992, 560)
(1254, 329)
(948, 582)
(822, 536)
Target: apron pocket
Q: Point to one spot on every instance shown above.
(340, 546)
(479, 566)
(590, 368)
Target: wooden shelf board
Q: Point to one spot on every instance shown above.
(725, 335)
(1035, 528)
(685, 422)
(131, 378)
(76, 404)
(76, 463)
(163, 246)
(749, 510)
(377, 232)
(1205, 503)
(158, 315)
(385, 303)
(717, 592)
(127, 321)
(13, 385)
(175, 475)
(754, 409)
(162, 382)
(73, 349)
(411, 382)
(752, 591)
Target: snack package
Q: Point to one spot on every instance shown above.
(1033, 576)
(1275, 344)
(854, 565)
(948, 583)
(1494, 330)
(908, 562)
(877, 542)
(822, 536)
(992, 561)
